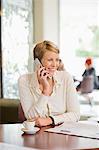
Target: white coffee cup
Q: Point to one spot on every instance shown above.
(29, 125)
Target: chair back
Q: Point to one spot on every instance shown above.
(87, 85)
(21, 115)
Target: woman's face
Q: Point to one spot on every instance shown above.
(50, 61)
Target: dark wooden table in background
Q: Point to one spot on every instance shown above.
(12, 134)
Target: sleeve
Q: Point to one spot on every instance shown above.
(31, 107)
(72, 104)
(96, 82)
(84, 73)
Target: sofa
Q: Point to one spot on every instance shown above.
(10, 111)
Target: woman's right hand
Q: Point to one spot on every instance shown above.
(43, 78)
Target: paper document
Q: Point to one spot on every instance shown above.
(81, 129)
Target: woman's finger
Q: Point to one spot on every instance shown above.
(40, 71)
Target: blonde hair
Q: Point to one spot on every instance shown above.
(42, 47)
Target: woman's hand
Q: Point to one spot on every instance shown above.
(41, 121)
(43, 78)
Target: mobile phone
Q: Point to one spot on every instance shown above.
(37, 64)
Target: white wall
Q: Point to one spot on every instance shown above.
(46, 20)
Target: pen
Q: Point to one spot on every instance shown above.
(65, 131)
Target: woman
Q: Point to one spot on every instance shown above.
(48, 96)
(61, 66)
(89, 71)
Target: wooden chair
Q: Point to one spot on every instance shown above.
(21, 115)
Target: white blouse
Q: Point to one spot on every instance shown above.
(62, 105)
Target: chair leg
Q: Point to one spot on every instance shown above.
(89, 99)
(91, 102)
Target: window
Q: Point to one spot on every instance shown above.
(79, 33)
(17, 31)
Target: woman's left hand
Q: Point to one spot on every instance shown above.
(41, 121)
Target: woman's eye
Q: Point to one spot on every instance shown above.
(50, 60)
(53, 60)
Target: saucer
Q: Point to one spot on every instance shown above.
(36, 129)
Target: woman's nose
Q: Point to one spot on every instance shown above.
(54, 63)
